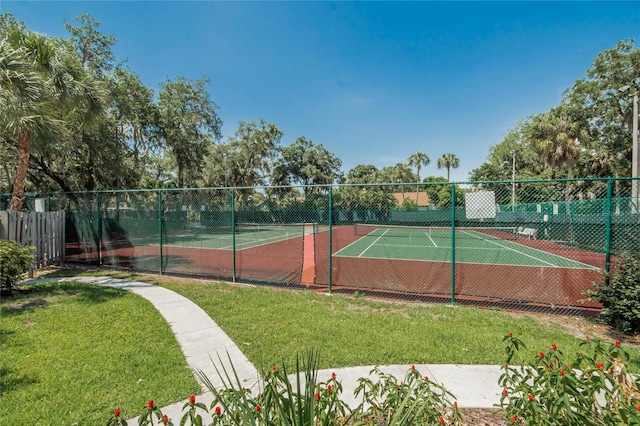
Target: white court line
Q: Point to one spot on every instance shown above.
(434, 243)
(510, 248)
(499, 247)
(243, 244)
(357, 241)
(371, 245)
(465, 262)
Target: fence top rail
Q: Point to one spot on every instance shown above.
(472, 184)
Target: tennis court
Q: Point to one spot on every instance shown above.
(495, 246)
(244, 236)
(484, 264)
(249, 251)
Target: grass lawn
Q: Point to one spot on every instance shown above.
(271, 325)
(70, 353)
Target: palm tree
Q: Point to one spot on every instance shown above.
(42, 81)
(450, 161)
(402, 173)
(559, 139)
(418, 160)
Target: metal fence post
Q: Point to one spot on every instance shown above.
(160, 229)
(233, 233)
(330, 237)
(99, 227)
(607, 250)
(453, 244)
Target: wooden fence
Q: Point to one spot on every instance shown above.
(42, 230)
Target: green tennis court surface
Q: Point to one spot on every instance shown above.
(246, 236)
(497, 246)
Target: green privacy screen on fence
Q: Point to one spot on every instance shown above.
(528, 244)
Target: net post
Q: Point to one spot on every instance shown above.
(607, 250)
(330, 218)
(160, 230)
(233, 234)
(453, 244)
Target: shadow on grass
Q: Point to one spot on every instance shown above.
(88, 271)
(41, 296)
(10, 380)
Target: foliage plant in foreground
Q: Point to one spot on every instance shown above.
(592, 387)
(620, 297)
(15, 261)
(298, 399)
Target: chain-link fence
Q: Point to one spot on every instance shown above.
(512, 244)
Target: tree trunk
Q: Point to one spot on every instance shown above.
(567, 190)
(24, 147)
(567, 197)
(42, 168)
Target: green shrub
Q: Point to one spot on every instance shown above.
(300, 398)
(15, 260)
(590, 388)
(620, 299)
(409, 204)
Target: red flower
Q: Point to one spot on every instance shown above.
(316, 395)
(510, 334)
(586, 337)
(618, 343)
(600, 366)
(192, 399)
(218, 410)
(541, 354)
(638, 407)
(274, 368)
(413, 367)
(531, 398)
(551, 363)
(116, 412)
(329, 388)
(333, 375)
(257, 407)
(505, 392)
(150, 405)
(514, 418)
(165, 419)
(368, 419)
(562, 372)
(554, 346)
(441, 420)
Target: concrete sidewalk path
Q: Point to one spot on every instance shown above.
(202, 340)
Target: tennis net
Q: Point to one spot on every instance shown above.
(302, 228)
(405, 231)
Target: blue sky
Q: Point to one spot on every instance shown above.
(374, 82)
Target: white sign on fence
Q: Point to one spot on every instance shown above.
(480, 205)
